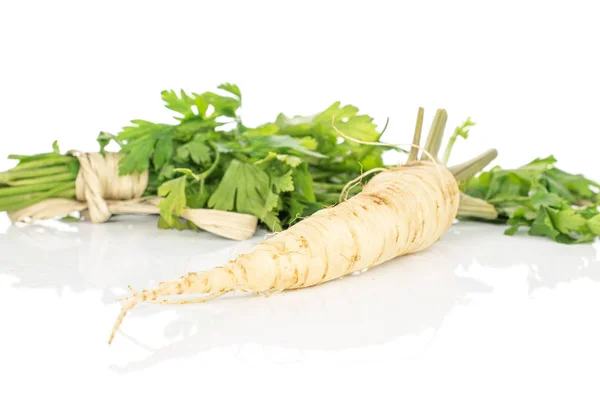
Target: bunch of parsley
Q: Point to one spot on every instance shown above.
(279, 171)
(543, 199)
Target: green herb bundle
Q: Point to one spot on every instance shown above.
(538, 197)
(542, 198)
(36, 178)
(289, 168)
(280, 171)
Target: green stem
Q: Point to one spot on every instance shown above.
(329, 186)
(436, 134)
(214, 165)
(414, 150)
(327, 198)
(508, 199)
(15, 190)
(321, 175)
(240, 157)
(64, 177)
(15, 174)
(468, 169)
(448, 150)
(45, 162)
(19, 202)
(473, 207)
(35, 157)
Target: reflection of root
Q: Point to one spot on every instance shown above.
(191, 301)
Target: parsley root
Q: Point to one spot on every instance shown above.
(400, 211)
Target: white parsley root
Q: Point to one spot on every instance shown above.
(400, 211)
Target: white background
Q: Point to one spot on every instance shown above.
(528, 73)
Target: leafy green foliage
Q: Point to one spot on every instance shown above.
(233, 89)
(173, 203)
(279, 171)
(344, 159)
(542, 198)
(246, 188)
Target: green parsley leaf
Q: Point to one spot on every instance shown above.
(223, 105)
(137, 156)
(283, 183)
(173, 203)
(231, 88)
(567, 221)
(245, 188)
(199, 152)
(347, 120)
(543, 198)
(594, 224)
(261, 144)
(262, 130)
(163, 151)
(543, 226)
(181, 104)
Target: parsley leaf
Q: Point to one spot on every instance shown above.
(137, 156)
(233, 89)
(163, 151)
(264, 143)
(278, 171)
(542, 198)
(174, 201)
(283, 183)
(181, 104)
(245, 188)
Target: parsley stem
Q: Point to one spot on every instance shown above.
(41, 156)
(333, 197)
(414, 150)
(473, 207)
(241, 157)
(212, 167)
(321, 174)
(44, 162)
(64, 177)
(329, 186)
(436, 134)
(15, 174)
(467, 169)
(14, 203)
(15, 190)
(448, 150)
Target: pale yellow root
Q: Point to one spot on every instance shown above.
(400, 211)
(216, 280)
(192, 301)
(132, 290)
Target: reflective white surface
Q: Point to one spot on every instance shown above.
(505, 313)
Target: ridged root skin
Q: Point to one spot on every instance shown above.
(400, 211)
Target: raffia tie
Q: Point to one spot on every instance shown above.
(101, 193)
